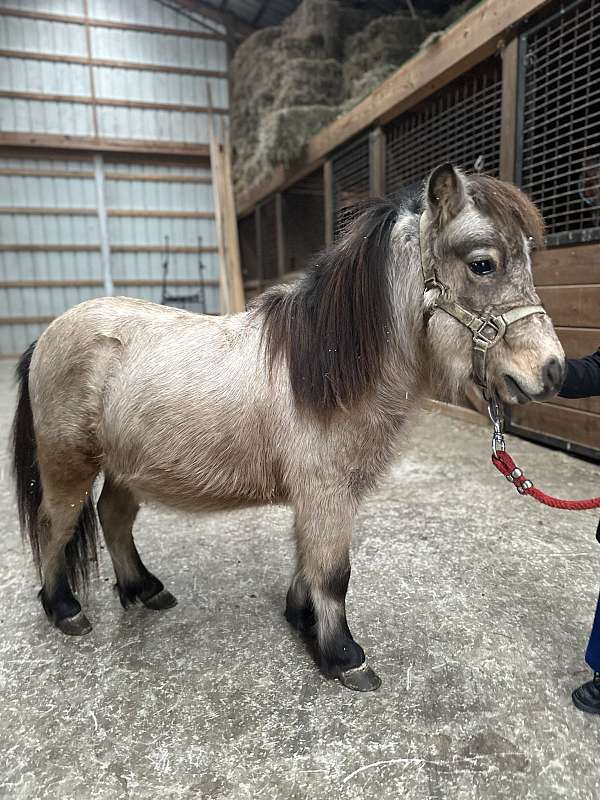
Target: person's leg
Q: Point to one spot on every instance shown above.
(587, 696)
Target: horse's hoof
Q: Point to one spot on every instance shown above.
(78, 625)
(160, 601)
(360, 679)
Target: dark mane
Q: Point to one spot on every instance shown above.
(332, 328)
(506, 204)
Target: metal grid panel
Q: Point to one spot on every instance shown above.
(351, 182)
(303, 221)
(559, 158)
(268, 239)
(461, 123)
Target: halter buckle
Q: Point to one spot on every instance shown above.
(498, 327)
(431, 282)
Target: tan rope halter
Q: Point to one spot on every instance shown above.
(487, 330)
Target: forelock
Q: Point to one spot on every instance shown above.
(508, 207)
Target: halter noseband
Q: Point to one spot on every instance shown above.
(487, 330)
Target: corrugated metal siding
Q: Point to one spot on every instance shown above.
(49, 233)
(62, 247)
(118, 82)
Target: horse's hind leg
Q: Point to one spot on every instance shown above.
(317, 596)
(67, 544)
(117, 509)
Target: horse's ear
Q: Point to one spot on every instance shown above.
(446, 193)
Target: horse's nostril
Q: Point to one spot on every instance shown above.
(553, 374)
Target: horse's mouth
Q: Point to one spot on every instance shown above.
(516, 391)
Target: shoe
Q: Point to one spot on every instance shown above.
(587, 696)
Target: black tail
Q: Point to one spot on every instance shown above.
(81, 551)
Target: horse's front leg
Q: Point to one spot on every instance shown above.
(316, 600)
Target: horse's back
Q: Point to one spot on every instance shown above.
(169, 401)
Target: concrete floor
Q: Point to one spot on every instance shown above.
(474, 606)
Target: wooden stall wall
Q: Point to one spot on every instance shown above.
(558, 164)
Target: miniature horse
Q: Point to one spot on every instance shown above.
(299, 400)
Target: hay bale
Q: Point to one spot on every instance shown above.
(306, 83)
(285, 132)
(386, 43)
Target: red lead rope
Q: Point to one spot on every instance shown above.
(504, 464)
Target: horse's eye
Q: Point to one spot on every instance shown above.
(483, 266)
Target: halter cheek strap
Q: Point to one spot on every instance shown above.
(487, 330)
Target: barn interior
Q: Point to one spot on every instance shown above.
(195, 153)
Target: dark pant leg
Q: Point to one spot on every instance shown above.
(592, 654)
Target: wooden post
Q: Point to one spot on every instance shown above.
(280, 234)
(377, 162)
(508, 140)
(328, 199)
(230, 270)
(235, 281)
(103, 225)
(259, 248)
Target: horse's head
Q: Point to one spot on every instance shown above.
(477, 236)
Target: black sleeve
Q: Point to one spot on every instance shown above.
(583, 377)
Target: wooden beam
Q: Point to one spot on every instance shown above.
(377, 162)
(107, 62)
(158, 177)
(95, 248)
(97, 144)
(235, 25)
(508, 136)
(108, 101)
(91, 283)
(280, 232)
(112, 212)
(107, 23)
(471, 40)
(328, 201)
(136, 212)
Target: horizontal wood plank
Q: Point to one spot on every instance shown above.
(112, 212)
(109, 101)
(107, 23)
(579, 342)
(567, 265)
(151, 177)
(200, 152)
(569, 424)
(91, 283)
(95, 248)
(572, 306)
(142, 66)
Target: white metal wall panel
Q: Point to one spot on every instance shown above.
(33, 116)
(70, 7)
(42, 36)
(157, 193)
(47, 77)
(144, 12)
(128, 84)
(51, 261)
